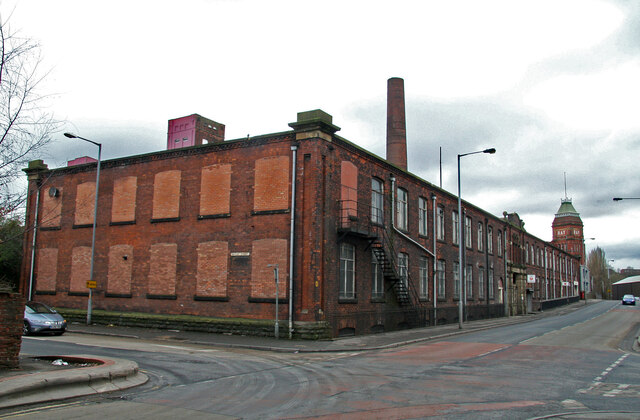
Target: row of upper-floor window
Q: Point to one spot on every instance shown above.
(535, 255)
(402, 212)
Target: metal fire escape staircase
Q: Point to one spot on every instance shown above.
(357, 221)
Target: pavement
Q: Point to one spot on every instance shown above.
(40, 379)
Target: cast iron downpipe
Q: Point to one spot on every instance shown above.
(294, 149)
(33, 242)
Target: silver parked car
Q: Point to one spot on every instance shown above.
(40, 318)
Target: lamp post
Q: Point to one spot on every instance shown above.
(95, 219)
(461, 267)
(625, 198)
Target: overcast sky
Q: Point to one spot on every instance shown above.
(553, 85)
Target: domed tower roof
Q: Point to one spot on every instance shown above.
(567, 209)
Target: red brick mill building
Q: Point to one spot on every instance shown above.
(361, 244)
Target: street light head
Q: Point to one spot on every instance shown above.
(617, 199)
(490, 151)
(70, 135)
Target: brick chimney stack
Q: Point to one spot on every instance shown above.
(396, 125)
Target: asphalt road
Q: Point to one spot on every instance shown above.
(580, 362)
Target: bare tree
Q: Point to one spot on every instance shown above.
(25, 126)
(600, 272)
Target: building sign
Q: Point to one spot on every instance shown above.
(565, 283)
(575, 283)
(531, 278)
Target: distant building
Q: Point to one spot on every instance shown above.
(362, 244)
(628, 286)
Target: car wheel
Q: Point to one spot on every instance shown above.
(26, 329)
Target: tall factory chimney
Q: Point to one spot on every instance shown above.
(396, 125)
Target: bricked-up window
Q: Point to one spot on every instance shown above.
(480, 237)
(51, 213)
(424, 278)
(211, 277)
(348, 191)
(120, 269)
(454, 227)
(442, 283)
(422, 216)
(85, 203)
(377, 206)
(499, 244)
(403, 268)
(347, 271)
(123, 208)
(490, 239)
(80, 269)
(456, 280)
(481, 283)
(271, 182)
(166, 195)
(440, 224)
(47, 270)
(162, 269)
(265, 252)
(467, 232)
(215, 190)
(469, 281)
(402, 209)
(377, 280)
(490, 283)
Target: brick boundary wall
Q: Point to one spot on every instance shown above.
(11, 321)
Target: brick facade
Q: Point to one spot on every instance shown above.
(194, 231)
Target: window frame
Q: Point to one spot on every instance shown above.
(441, 267)
(456, 280)
(481, 283)
(403, 268)
(468, 231)
(402, 209)
(347, 272)
(423, 208)
(377, 278)
(424, 278)
(377, 201)
(490, 239)
(440, 228)
(455, 229)
(469, 282)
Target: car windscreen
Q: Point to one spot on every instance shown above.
(38, 308)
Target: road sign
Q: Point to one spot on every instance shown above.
(91, 284)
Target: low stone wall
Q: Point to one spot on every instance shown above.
(237, 326)
(552, 303)
(11, 321)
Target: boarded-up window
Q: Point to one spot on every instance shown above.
(85, 202)
(80, 269)
(51, 207)
(120, 268)
(47, 269)
(271, 184)
(123, 208)
(349, 190)
(264, 253)
(211, 279)
(162, 269)
(166, 195)
(215, 190)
